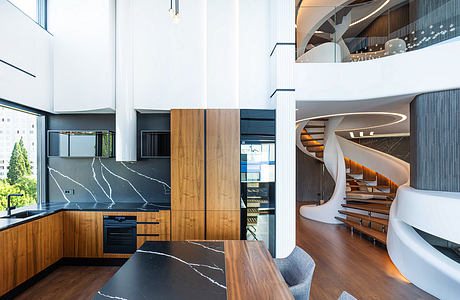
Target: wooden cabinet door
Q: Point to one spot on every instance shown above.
(83, 234)
(187, 225)
(13, 258)
(222, 159)
(187, 159)
(223, 225)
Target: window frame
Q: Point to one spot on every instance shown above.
(42, 13)
(41, 146)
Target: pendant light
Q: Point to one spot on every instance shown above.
(174, 12)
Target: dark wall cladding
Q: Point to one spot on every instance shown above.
(103, 179)
(435, 20)
(435, 141)
(309, 179)
(396, 146)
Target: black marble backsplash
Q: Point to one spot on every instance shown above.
(102, 180)
(395, 146)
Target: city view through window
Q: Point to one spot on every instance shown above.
(18, 157)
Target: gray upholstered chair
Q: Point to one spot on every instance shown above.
(346, 296)
(297, 270)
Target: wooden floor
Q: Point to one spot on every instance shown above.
(343, 262)
(70, 282)
(346, 262)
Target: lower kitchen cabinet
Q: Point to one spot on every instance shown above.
(13, 257)
(28, 249)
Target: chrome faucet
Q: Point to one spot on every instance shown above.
(10, 208)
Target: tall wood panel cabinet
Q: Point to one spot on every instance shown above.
(187, 174)
(223, 174)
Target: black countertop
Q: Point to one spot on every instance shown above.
(170, 270)
(54, 207)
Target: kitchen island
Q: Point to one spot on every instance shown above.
(198, 270)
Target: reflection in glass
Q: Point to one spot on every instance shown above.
(258, 192)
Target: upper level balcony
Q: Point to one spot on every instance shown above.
(381, 50)
(354, 31)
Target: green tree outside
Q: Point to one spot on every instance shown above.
(19, 179)
(19, 163)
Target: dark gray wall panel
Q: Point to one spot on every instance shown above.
(435, 141)
(308, 179)
(396, 146)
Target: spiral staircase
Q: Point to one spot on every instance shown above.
(369, 195)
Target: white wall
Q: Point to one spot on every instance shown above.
(216, 57)
(169, 59)
(26, 45)
(254, 51)
(84, 55)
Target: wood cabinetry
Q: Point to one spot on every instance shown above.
(223, 225)
(44, 243)
(188, 225)
(82, 234)
(28, 249)
(84, 231)
(187, 174)
(222, 174)
(13, 257)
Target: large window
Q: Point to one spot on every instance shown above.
(35, 9)
(18, 157)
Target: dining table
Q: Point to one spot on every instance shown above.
(233, 269)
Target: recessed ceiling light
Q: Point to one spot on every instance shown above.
(352, 135)
(361, 133)
(371, 133)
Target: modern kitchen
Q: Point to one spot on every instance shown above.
(191, 182)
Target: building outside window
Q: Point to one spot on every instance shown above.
(18, 157)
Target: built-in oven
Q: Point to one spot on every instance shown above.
(120, 234)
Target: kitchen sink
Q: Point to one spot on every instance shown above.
(24, 214)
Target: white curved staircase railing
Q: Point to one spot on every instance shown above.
(335, 164)
(437, 213)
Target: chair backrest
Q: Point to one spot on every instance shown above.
(302, 265)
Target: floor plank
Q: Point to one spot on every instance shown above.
(346, 262)
(70, 282)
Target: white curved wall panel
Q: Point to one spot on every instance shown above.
(408, 73)
(335, 164)
(438, 214)
(389, 166)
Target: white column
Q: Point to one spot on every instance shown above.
(282, 59)
(125, 141)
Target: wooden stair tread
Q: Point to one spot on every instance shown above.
(365, 217)
(378, 235)
(369, 186)
(317, 145)
(311, 140)
(313, 133)
(355, 173)
(315, 150)
(377, 208)
(315, 126)
(373, 193)
(376, 201)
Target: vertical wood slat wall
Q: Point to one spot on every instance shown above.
(223, 174)
(187, 174)
(194, 148)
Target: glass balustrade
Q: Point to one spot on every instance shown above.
(372, 29)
